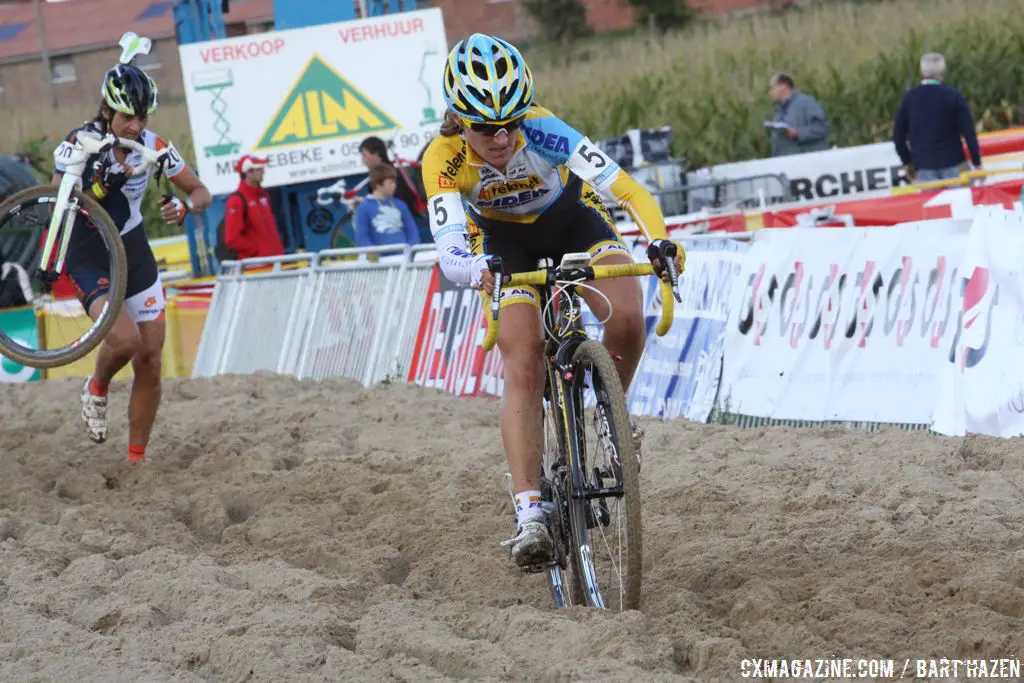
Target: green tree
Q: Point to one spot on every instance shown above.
(562, 21)
(663, 15)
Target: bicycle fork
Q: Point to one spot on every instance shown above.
(66, 217)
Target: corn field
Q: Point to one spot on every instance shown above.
(710, 82)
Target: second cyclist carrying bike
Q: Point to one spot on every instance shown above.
(128, 96)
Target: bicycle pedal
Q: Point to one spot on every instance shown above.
(534, 568)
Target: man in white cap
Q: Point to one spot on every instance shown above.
(249, 226)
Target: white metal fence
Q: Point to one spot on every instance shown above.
(338, 313)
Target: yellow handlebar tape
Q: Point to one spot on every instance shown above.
(540, 277)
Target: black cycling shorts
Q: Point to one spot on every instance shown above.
(577, 221)
(88, 267)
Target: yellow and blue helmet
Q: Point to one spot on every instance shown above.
(487, 80)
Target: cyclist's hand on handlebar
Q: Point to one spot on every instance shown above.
(481, 275)
(667, 248)
(172, 209)
(107, 177)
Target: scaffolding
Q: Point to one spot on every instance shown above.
(215, 82)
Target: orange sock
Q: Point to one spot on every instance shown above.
(97, 389)
(136, 452)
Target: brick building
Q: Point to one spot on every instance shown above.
(82, 38)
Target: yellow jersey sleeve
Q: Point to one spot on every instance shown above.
(445, 178)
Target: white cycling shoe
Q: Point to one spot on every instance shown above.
(94, 414)
(532, 547)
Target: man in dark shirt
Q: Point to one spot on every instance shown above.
(933, 118)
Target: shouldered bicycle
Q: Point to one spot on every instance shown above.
(68, 209)
(590, 482)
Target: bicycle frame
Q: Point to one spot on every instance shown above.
(74, 158)
(563, 334)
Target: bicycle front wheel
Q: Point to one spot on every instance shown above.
(69, 334)
(604, 510)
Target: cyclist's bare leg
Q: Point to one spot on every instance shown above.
(522, 417)
(146, 368)
(625, 333)
(118, 347)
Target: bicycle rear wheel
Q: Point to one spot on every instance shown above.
(78, 335)
(605, 525)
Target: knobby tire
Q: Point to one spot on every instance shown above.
(104, 224)
(595, 355)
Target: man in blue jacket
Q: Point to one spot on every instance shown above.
(934, 118)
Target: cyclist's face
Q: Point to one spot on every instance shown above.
(125, 126)
(494, 149)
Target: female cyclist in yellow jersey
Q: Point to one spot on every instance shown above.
(532, 185)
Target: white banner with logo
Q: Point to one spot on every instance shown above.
(307, 97)
(864, 170)
(983, 377)
(843, 324)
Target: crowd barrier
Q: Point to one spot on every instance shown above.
(919, 325)
(335, 313)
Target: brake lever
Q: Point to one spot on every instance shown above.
(669, 259)
(666, 253)
(495, 265)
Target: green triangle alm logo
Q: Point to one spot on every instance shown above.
(322, 106)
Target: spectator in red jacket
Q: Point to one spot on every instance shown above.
(249, 226)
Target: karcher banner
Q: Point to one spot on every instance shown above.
(305, 98)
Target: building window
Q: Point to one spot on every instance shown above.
(150, 61)
(259, 27)
(63, 69)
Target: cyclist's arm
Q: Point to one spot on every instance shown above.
(449, 224)
(449, 227)
(562, 144)
(68, 145)
(597, 168)
(182, 176)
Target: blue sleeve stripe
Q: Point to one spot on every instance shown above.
(552, 137)
(608, 173)
(450, 229)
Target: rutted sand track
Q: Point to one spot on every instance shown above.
(287, 531)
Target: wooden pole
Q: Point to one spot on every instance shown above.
(41, 30)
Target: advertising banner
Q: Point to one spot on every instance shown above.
(20, 325)
(843, 172)
(844, 324)
(448, 352)
(307, 97)
(678, 374)
(982, 387)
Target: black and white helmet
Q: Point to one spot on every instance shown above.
(129, 90)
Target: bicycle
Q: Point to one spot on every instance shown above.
(580, 491)
(66, 202)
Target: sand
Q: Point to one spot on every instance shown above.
(290, 531)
